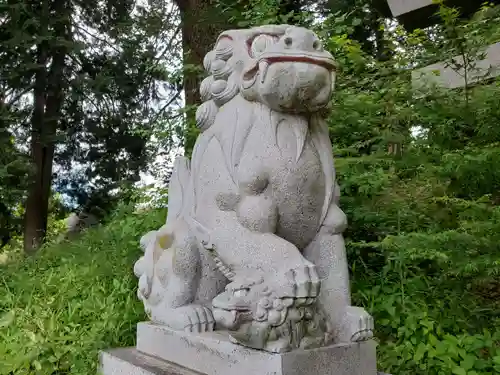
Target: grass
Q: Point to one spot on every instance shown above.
(59, 308)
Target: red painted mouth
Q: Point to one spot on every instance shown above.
(267, 60)
(324, 62)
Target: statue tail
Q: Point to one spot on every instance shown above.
(179, 189)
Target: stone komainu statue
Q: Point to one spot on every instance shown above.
(253, 239)
(76, 223)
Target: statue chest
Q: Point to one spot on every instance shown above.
(286, 168)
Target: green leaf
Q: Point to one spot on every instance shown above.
(459, 371)
(420, 352)
(37, 365)
(357, 21)
(468, 362)
(7, 319)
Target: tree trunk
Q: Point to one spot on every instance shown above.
(201, 25)
(48, 100)
(35, 224)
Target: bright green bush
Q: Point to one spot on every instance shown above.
(423, 243)
(425, 259)
(59, 308)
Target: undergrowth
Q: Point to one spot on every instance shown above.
(59, 308)
(434, 312)
(425, 260)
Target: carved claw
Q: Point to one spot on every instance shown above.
(366, 329)
(190, 318)
(358, 325)
(200, 318)
(306, 281)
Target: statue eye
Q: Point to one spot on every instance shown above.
(260, 44)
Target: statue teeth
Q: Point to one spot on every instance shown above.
(263, 66)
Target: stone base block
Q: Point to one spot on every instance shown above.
(213, 354)
(129, 361)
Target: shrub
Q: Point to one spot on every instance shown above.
(59, 308)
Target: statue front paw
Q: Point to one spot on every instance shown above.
(281, 345)
(357, 325)
(190, 318)
(304, 281)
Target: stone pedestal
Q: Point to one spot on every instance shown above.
(163, 351)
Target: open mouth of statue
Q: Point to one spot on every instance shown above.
(313, 59)
(266, 60)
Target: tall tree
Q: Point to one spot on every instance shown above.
(367, 21)
(14, 160)
(14, 169)
(48, 95)
(92, 78)
(122, 93)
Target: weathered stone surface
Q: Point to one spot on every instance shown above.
(253, 240)
(129, 361)
(213, 353)
(75, 223)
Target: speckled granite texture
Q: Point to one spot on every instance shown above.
(129, 361)
(249, 274)
(161, 350)
(253, 242)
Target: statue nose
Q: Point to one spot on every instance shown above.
(300, 39)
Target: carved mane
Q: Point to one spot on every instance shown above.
(220, 91)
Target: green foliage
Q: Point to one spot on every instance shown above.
(59, 308)
(250, 13)
(420, 185)
(124, 86)
(425, 258)
(117, 85)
